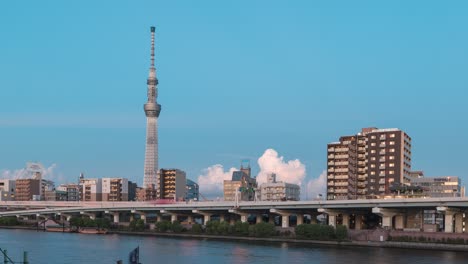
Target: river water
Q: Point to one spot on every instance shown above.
(63, 248)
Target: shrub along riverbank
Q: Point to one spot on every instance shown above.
(261, 230)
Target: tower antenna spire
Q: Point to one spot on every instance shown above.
(153, 29)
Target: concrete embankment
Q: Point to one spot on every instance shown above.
(386, 244)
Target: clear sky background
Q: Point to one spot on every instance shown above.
(236, 78)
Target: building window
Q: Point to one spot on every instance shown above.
(372, 144)
(392, 150)
(392, 135)
(372, 173)
(391, 165)
(372, 165)
(373, 158)
(372, 137)
(392, 142)
(391, 172)
(372, 151)
(391, 157)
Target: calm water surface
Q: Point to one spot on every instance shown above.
(51, 248)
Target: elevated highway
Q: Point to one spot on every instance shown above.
(394, 213)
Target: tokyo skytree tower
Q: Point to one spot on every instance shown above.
(152, 110)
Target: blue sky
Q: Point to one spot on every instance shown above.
(236, 78)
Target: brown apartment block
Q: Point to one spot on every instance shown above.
(26, 188)
(366, 165)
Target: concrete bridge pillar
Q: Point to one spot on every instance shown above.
(222, 218)
(90, 215)
(331, 215)
(243, 216)
(300, 219)
(449, 218)
(345, 219)
(387, 217)
(173, 217)
(259, 218)
(190, 219)
(206, 215)
(358, 222)
(64, 217)
(284, 216)
(459, 223)
(116, 217)
(271, 218)
(141, 214)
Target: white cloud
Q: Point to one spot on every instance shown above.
(211, 181)
(292, 171)
(316, 186)
(49, 173)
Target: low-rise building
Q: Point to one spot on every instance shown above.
(445, 186)
(7, 190)
(90, 189)
(55, 195)
(72, 191)
(132, 189)
(114, 189)
(27, 189)
(274, 190)
(145, 194)
(241, 184)
(193, 191)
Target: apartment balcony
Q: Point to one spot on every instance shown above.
(382, 174)
(341, 149)
(382, 167)
(331, 183)
(383, 137)
(382, 181)
(341, 184)
(382, 152)
(382, 145)
(361, 149)
(362, 163)
(341, 177)
(331, 156)
(382, 189)
(342, 170)
(331, 150)
(331, 176)
(361, 170)
(344, 156)
(361, 191)
(341, 163)
(331, 190)
(361, 184)
(361, 178)
(331, 163)
(341, 191)
(382, 159)
(331, 170)
(361, 156)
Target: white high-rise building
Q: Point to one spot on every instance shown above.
(152, 110)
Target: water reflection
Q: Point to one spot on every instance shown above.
(55, 248)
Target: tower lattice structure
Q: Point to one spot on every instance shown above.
(152, 110)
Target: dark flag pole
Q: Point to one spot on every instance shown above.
(134, 256)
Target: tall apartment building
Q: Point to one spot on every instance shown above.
(90, 190)
(26, 189)
(7, 190)
(241, 183)
(171, 184)
(114, 189)
(367, 164)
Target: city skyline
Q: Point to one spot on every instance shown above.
(244, 87)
